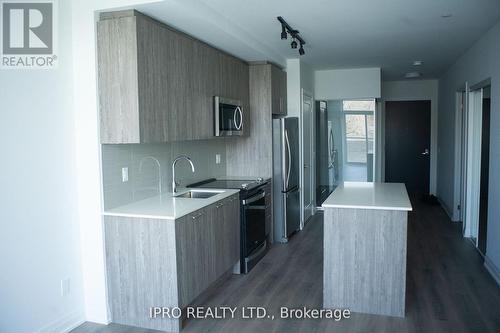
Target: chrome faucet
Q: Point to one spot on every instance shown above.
(159, 169)
(180, 157)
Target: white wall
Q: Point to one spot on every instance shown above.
(480, 62)
(39, 237)
(409, 90)
(88, 152)
(347, 83)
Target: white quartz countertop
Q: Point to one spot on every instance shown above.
(384, 196)
(168, 207)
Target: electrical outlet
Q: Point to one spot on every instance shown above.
(217, 158)
(65, 287)
(125, 174)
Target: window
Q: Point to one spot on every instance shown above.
(359, 129)
(355, 134)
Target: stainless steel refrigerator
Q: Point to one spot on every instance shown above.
(286, 199)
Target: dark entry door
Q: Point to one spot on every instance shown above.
(407, 144)
(485, 176)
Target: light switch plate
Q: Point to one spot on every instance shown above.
(125, 174)
(217, 158)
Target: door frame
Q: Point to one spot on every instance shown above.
(461, 123)
(312, 162)
(473, 168)
(470, 142)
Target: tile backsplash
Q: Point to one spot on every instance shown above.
(143, 181)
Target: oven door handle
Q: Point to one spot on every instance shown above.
(254, 198)
(256, 208)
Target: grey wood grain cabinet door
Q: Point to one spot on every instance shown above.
(283, 93)
(141, 270)
(275, 90)
(118, 80)
(234, 84)
(194, 241)
(234, 221)
(206, 85)
(278, 91)
(207, 246)
(227, 234)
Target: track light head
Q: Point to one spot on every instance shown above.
(283, 32)
(301, 50)
(294, 44)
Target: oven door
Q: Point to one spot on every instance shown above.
(228, 118)
(254, 209)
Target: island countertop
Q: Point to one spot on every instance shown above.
(362, 195)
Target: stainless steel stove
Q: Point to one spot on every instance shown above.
(252, 212)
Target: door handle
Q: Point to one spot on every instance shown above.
(238, 126)
(426, 152)
(289, 159)
(306, 166)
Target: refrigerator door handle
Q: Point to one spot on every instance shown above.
(293, 189)
(289, 160)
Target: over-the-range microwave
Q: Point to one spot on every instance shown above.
(228, 117)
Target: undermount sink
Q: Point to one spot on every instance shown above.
(198, 194)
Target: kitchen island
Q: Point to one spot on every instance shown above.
(365, 233)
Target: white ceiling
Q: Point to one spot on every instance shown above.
(390, 34)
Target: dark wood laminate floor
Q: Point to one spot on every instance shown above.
(448, 289)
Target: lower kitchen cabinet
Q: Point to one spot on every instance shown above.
(227, 215)
(208, 243)
(168, 263)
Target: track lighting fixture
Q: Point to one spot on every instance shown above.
(287, 29)
(283, 32)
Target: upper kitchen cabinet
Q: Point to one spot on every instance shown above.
(278, 90)
(234, 84)
(157, 84)
(252, 157)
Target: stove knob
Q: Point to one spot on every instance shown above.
(260, 180)
(244, 186)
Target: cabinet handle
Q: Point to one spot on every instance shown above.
(195, 217)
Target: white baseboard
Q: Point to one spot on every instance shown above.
(492, 268)
(64, 324)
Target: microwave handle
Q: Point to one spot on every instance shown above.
(238, 127)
